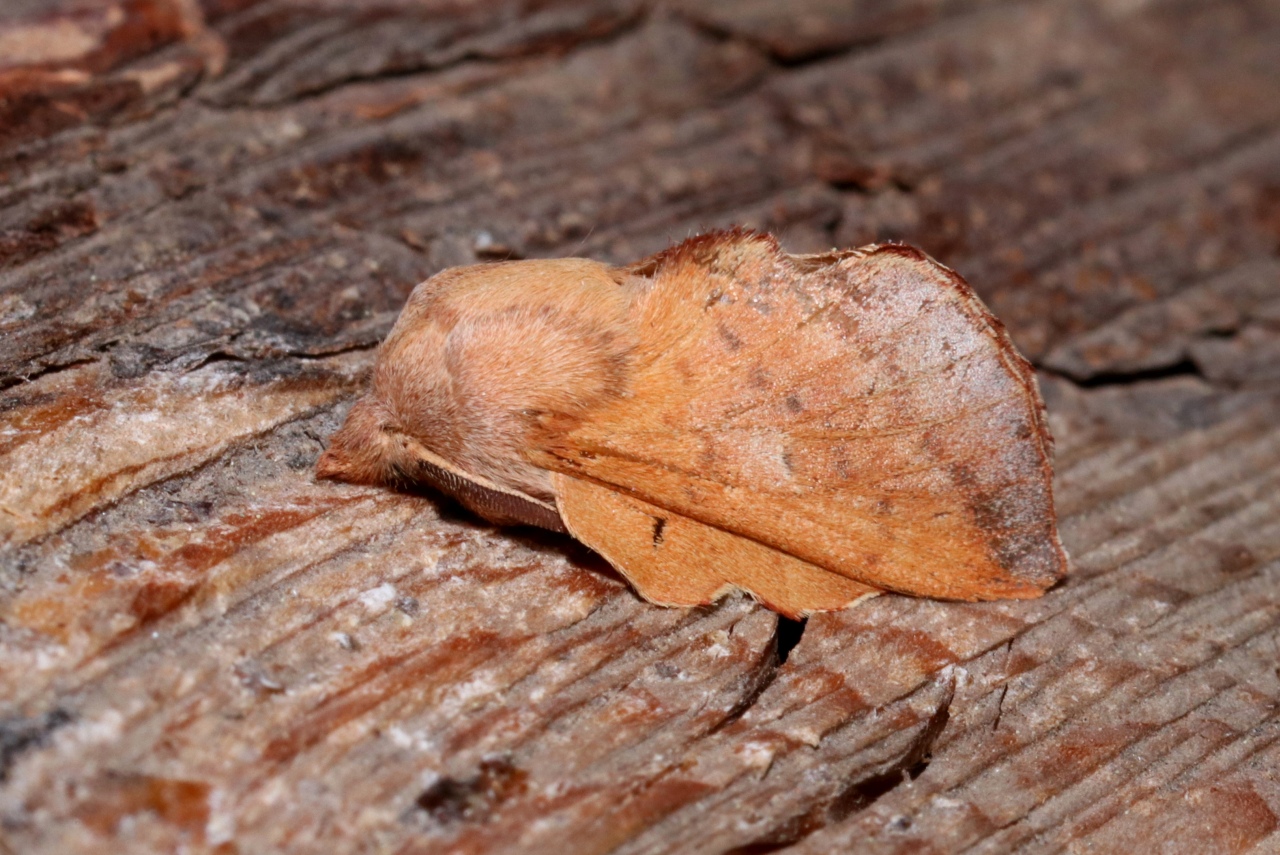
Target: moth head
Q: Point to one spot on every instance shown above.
(371, 448)
(358, 451)
(480, 360)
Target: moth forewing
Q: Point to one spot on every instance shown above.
(722, 416)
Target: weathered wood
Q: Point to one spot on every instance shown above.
(210, 211)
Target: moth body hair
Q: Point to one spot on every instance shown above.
(479, 357)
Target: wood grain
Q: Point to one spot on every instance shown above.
(210, 211)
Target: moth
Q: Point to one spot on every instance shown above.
(810, 429)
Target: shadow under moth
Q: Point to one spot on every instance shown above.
(810, 429)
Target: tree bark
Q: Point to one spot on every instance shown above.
(210, 213)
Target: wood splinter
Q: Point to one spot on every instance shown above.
(721, 416)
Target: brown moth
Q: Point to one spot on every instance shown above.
(811, 429)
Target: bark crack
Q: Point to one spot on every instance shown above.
(862, 793)
(20, 735)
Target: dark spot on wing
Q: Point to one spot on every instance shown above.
(659, 526)
(794, 405)
(730, 338)
(1004, 513)
(931, 443)
(963, 477)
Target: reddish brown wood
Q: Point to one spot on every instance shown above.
(210, 211)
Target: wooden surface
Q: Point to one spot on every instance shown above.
(210, 211)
